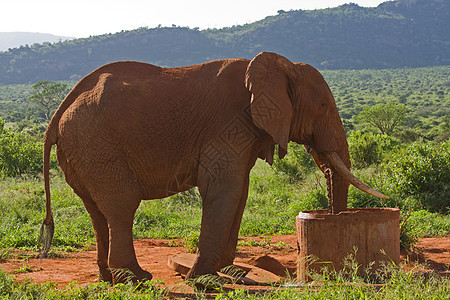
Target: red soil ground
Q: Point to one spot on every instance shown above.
(153, 256)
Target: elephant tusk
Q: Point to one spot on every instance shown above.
(345, 172)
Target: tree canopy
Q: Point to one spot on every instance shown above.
(48, 95)
(386, 117)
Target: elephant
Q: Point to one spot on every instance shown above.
(131, 131)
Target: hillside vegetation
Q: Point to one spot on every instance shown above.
(402, 33)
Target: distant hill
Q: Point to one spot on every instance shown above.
(9, 40)
(402, 33)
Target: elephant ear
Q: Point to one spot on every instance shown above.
(267, 78)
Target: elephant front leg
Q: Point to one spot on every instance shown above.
(229, 253)
(221, 200)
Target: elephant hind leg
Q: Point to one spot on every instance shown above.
(99, 223)
(111, 206)
(119, 209)
(102, 236)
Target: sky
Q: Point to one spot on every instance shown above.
(83, 18)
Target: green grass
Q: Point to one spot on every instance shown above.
(388, 282)
(23, 206)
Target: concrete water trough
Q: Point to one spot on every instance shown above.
(325, 240)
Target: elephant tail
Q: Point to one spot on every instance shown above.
(50, 139)
(48, 226)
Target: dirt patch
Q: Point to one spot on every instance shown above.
(434, 253)
(277, 254)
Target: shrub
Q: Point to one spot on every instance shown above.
(367, 148)
(20, 153)
(422, 171)
(21, 149)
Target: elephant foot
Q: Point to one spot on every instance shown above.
(226, 261)
(143, 276)
(105, 275)
(125, 275)
(199, 269)
(204, 280)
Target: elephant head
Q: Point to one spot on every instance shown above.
(292, 102)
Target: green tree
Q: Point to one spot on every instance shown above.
(48, 95)
(386, 117)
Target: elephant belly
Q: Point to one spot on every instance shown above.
(161, 177)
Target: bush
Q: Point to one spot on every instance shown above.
(21, 149)
(20, 153)
(367, 148)
(422, 171)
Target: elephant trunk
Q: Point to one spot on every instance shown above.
(338, 178)
(337, 188)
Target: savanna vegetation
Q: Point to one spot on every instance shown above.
(410, 164)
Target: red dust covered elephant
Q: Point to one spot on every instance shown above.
(131, 131)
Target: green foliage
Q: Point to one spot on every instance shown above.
(309, 200)
(12, 289)
(385, 117)
(422, 171)
(424, 91)
(13, 101)
(367, 148)
(22, 204)
(275, 198)
(15, 105)
(364, 149)
(422, 223)
(296, 164)
(357, 198)
(20, 153)
(48, 95)
(166, 218)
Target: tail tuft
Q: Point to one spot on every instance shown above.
(46, 237)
